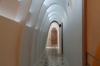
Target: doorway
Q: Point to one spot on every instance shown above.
(55, 37)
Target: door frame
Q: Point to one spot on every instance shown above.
(61, 27)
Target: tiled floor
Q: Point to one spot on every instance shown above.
(51, 58)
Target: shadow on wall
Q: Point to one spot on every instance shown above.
(9, 42)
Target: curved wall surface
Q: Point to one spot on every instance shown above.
(34, 18)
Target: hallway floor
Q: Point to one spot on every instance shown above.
(51, 58)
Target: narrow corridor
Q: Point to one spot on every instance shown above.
(49, 32)
(51, 58)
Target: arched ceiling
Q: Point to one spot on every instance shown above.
(38, 15)
(42, 13)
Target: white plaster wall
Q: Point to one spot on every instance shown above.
(8, 8)
(31, 44)
(34, 32)
(42, 13)
(23, 10)
(9, 45)
(73, 34)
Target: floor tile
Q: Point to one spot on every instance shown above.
(51, 58)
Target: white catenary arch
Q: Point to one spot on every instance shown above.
(56, 25)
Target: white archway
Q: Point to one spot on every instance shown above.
(52, 40)
(56, 26)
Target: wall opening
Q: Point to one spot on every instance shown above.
(54, 39)
(54, 36)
